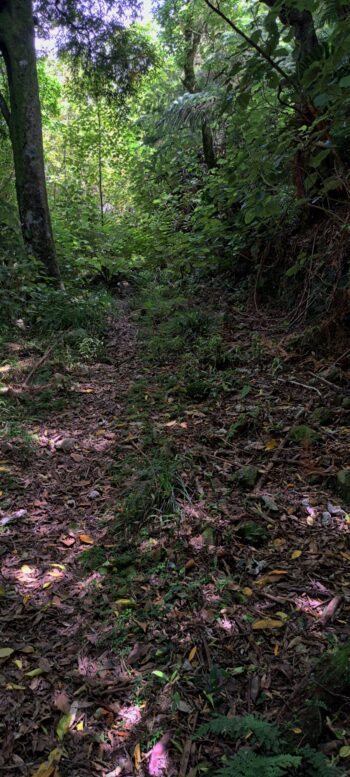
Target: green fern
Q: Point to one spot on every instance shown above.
(249, 764)
(193, 109)
(266, 734)
(267, 759)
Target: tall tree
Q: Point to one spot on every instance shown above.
(23, 117)
(91, 34)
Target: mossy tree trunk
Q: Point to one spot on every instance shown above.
(23, 117)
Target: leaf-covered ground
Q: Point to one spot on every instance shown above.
(174, 542)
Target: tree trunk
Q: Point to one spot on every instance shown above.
(192, 38)
(18, 49)
(303, 26)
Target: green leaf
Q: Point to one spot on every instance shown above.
(63, 725)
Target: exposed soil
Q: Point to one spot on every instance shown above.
(123, 637)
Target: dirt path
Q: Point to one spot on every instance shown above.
(122, 630)
(48, 614)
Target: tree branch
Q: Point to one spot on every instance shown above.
(252, 44)
(5, 110)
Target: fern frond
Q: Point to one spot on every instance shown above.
(266, 734)
(317, 764)
(193, 109)
(331, 11)
(249, 764)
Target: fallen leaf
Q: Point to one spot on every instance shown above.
(86, 539)
(35, 672)
(344, 751)
(68, 541)
(5, 652)
(271, 444)
(247, 591)
(137, 757)
(47, 584)
(296, 554)
(80, 726)
(61, 702)
(15, 687)
(27, 649)
(267, 623)
(63, 726)
(125, 602)
(192, 653)
(18, 663)
(48, 768)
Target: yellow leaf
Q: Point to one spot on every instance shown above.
(279, 541)
(58, 566)
(296, 554)
(271, 577)
(267, 623)
(271, 445)
(125, 602)
(5, 652)
(47, 584)
(276, 650)
(14, 687)
(344, 751)
(137, 757)
(18, 663)
(3, 468)
(80, 726)
(26, 598)
(192, 653)
(86, 539)
(297, 730)
(47, 769)
(55, 573)
(247, 591)
(345, 555)
(27, 570)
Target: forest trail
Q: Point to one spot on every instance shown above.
(121, 631)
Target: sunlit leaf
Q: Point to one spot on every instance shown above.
(296, 554)
(344, 751)
(47, 769)
(267, 623)
(271, 445)
(5, 652)
(192, 653)
(35, 672)
(86, 539)
(137, 757)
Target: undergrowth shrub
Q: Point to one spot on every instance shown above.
(268, 754)
(156, 488)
